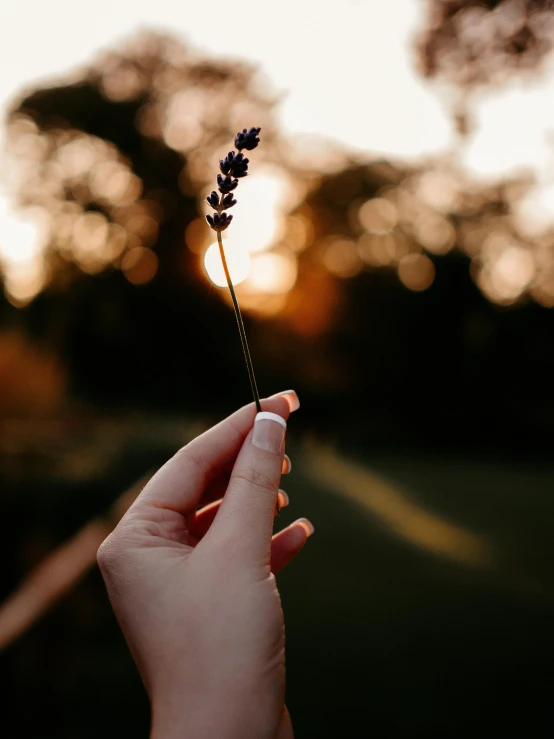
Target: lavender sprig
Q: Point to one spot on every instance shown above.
(233, 167)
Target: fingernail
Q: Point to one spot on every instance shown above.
(306, 525)
(287, 465)
(283, 499)
(292, 399)
(269, 432)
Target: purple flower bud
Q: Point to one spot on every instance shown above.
(247, 139)
(224, 220)
(228, 201)
(224, 166)
(226, 184)
(234, 165)
(219, 222)
(240, 166)
(213, 199)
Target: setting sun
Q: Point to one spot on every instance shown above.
(238, 261)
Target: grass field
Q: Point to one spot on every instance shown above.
(422, 607)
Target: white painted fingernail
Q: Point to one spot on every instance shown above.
(287, 465)
(292, 399)
(269, 432)
(283, 499)
(307, 525)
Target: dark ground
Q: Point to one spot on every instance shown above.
(385, 638)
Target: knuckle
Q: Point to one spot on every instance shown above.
(108, 554)
(258, 479)
(183, 455)
(188, 457)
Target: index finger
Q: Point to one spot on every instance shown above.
(180, 483)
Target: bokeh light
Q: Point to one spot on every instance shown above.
(378, 216)
(259, 210)
(416, 271)
(139, 265)
(341, 257)
(534, 213)
(272, 273)
(238, 262)
(508, 269)
(512, 271)
(299, 232)
(435, 233)
(21, 253)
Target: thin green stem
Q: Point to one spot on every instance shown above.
(242, 332)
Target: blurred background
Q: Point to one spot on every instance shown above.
(393, 250)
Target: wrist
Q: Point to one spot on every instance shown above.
(215, 718)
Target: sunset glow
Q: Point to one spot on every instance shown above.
(20, 254)
(509, 136)
(259, 210)
(238, 261)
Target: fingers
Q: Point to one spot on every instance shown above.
(287, 543)
(181, 482)
(216, 489)
(200, 522)
(245, 518)
(284, 546)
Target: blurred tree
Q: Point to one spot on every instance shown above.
(469, 44)
(477, 42)
(112, 167)
(445, 362)
(397, 319)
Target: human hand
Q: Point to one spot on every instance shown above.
(194, 590)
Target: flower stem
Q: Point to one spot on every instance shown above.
(240, 323)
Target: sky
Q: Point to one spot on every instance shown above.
(345, 65)
(346, 68)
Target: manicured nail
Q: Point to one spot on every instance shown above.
(287, 465)
(292, 399)
(282, 502)
(269, 432)
(306, 525)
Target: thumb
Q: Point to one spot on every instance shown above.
(246, 513)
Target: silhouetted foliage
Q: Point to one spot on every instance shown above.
(475, 42)
(387, 320)
(117, 161)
